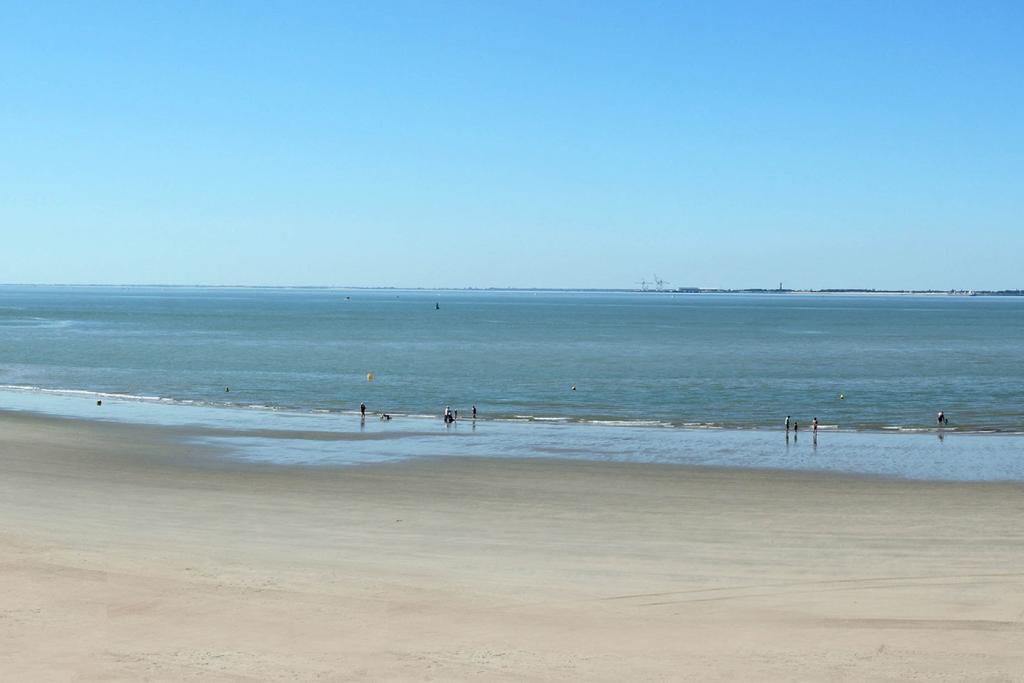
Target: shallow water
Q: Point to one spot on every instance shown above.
(318, 440)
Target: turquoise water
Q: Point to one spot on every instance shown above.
(681, 360)
(693, 379)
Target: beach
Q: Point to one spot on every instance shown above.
(132, 553)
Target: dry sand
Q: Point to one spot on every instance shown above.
(127, 555)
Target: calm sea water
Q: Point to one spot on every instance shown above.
(721, 364)
(726, 360)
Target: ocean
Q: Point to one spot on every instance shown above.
(634, 363)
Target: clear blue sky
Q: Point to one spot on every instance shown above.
(564, 144)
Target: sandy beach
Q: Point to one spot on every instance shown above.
(128, 554)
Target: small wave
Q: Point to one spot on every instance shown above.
(137, 398)
(83, 393)
(629, 423)
(35, 323)
(702, 425)
(602, 420)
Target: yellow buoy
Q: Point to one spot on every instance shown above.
(369, 377)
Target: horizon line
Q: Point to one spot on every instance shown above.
(676, 290)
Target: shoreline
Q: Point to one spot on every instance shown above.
(282, 439)
(130, 553)
(113, 398)
(178, 447)
(202, 453)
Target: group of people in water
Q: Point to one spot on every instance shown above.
(940, 417)
(450, 415)
(796, 425)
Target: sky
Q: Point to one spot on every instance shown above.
(522, 144)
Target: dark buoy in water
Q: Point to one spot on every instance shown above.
(227, 389)
(99, 403)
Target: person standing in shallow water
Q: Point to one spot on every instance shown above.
(362, 410)
(787, 424)
(814, 425)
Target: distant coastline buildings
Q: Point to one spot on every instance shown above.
(852, 290)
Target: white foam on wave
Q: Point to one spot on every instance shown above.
(83, 393)
(36, 323)
(701, 425)
(629, 423)
(513, 419)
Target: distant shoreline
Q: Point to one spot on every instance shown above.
(596, 290)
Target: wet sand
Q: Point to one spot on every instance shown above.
(129, 555)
